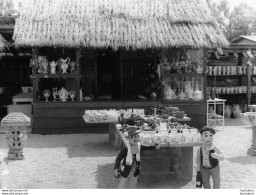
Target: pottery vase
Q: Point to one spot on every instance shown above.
(227, 111)
(219, 109)
(211, 110)
(236, 111)
(244, 108)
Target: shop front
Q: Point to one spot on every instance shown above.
(115, 58)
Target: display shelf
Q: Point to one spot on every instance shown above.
(102, 121)
(59, 82)
(227, 75)
(182, 75)
(55, 76)
(214, 103)
(239, 73)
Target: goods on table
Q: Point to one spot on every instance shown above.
(173, 136)
(109, 115)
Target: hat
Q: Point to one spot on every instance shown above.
(132, 130)
(207, 128)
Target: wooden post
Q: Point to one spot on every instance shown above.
(35, 83)
(78, 57)
(121, 76)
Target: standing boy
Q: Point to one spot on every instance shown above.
(208, 157)
(129, 159)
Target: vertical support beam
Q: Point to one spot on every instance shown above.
(248, 85)
(121, 76)
(78, 57)
(96, 72)
(35, 83)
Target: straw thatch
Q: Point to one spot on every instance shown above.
(135, 24)
(3, 43)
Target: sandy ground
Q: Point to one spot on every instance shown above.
(86, 161)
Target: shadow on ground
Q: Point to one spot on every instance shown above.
(171, 184)
(244, 160)
(106, 180)
(76, 145)
(92, 149)
(105, 177)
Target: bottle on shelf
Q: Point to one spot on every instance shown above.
(81, 95)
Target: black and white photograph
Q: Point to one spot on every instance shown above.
(127, 94)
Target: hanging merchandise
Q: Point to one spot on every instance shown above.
(236, 54)
(220, 51)
(249, 53)
(245, 55)
(217, 55)
(249, 63)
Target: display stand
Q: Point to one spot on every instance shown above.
(249, 118)
(161, 167)
(210, 118)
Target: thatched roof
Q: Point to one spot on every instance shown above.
(135, 24)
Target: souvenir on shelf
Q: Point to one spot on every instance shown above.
(63, 94)
(183, 88)
(54, 93)
(46, 94)
(42, 65)
(53, 65)
(72, 67)
(72, 95)
(64, 64)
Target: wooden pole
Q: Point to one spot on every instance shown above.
(121, 77)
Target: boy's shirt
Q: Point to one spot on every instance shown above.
(206, 154)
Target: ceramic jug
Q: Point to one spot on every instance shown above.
(215, 70)
(45, 67)
(236, 111)
(64, 64)
(219, 110)
(63, 94)
(72, 67)
(254, 69)
(240, 70)
(53, 65)
(224, 70)
(210, 70)
(219, 70)
(244, 108)
(227, 111)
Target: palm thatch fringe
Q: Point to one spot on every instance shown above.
(136, 24)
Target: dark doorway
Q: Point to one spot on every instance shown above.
(108, 75)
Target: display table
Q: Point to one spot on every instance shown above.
(171, 161)
(249, 118)
(22, 98)
(214, 103)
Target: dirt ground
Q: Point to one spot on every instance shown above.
(86, 161)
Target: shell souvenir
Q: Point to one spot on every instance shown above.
(178, 138)
(155, 138)
(162, 138)
(169, 138)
